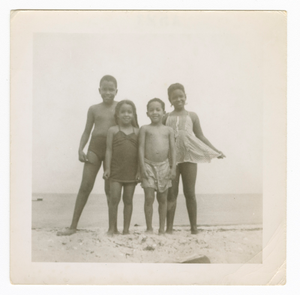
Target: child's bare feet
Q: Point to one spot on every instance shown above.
(67, 232)
(169, 231)
(125, 232)
(194, 231)
(161, 232)
(110, 233)
(149, 231)
(116, 232)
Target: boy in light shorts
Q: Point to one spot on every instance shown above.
(156, 147)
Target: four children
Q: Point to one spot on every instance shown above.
(156, 155)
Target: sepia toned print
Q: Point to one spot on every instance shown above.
(220, 208)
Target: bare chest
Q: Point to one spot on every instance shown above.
(157, 136)
(106, 116)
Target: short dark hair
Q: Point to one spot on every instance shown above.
(158, 100)
(110, 79)
(173, 87)
(117, 109)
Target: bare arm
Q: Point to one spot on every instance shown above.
(198, 132)
(136, 131)
(142, 137)
(172, 153)
(165, 117)
(108, 153)
(86, 134)
(138, 174)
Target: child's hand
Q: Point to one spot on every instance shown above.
(221, 156)
(173, 173)
(82, 157)
(106, 174)
(144, 174)
(138, 177)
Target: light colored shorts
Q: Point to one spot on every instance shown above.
(158, 175)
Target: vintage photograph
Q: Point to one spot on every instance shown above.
(148, 134)
(106, 99)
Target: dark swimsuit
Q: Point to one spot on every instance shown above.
(124, 163)
(98, 146)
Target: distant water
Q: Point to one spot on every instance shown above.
(55, 210)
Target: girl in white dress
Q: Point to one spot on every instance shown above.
(192, 147)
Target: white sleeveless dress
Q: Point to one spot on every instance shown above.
(189, 148)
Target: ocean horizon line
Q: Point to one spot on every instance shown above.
(212, 209)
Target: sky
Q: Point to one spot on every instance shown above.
(218, 57)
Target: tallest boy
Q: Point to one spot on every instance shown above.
(101, 117)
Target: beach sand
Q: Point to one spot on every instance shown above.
(218, 244)
(231, 235)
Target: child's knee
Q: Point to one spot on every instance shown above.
(149, 201)
(127, 202)
(172, 197)
(114, 200)
(162, 201)
(189, 194)
(86, 187)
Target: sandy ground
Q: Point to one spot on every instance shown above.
(230, 231)
(220, 244)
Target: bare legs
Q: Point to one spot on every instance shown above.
(162, 208)
(127, 211)
(172, 201)
(148, 208)
(115, 196)
(188, 173)
(162, 199)
(90, 171)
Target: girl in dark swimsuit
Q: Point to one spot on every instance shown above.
(121, 162)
